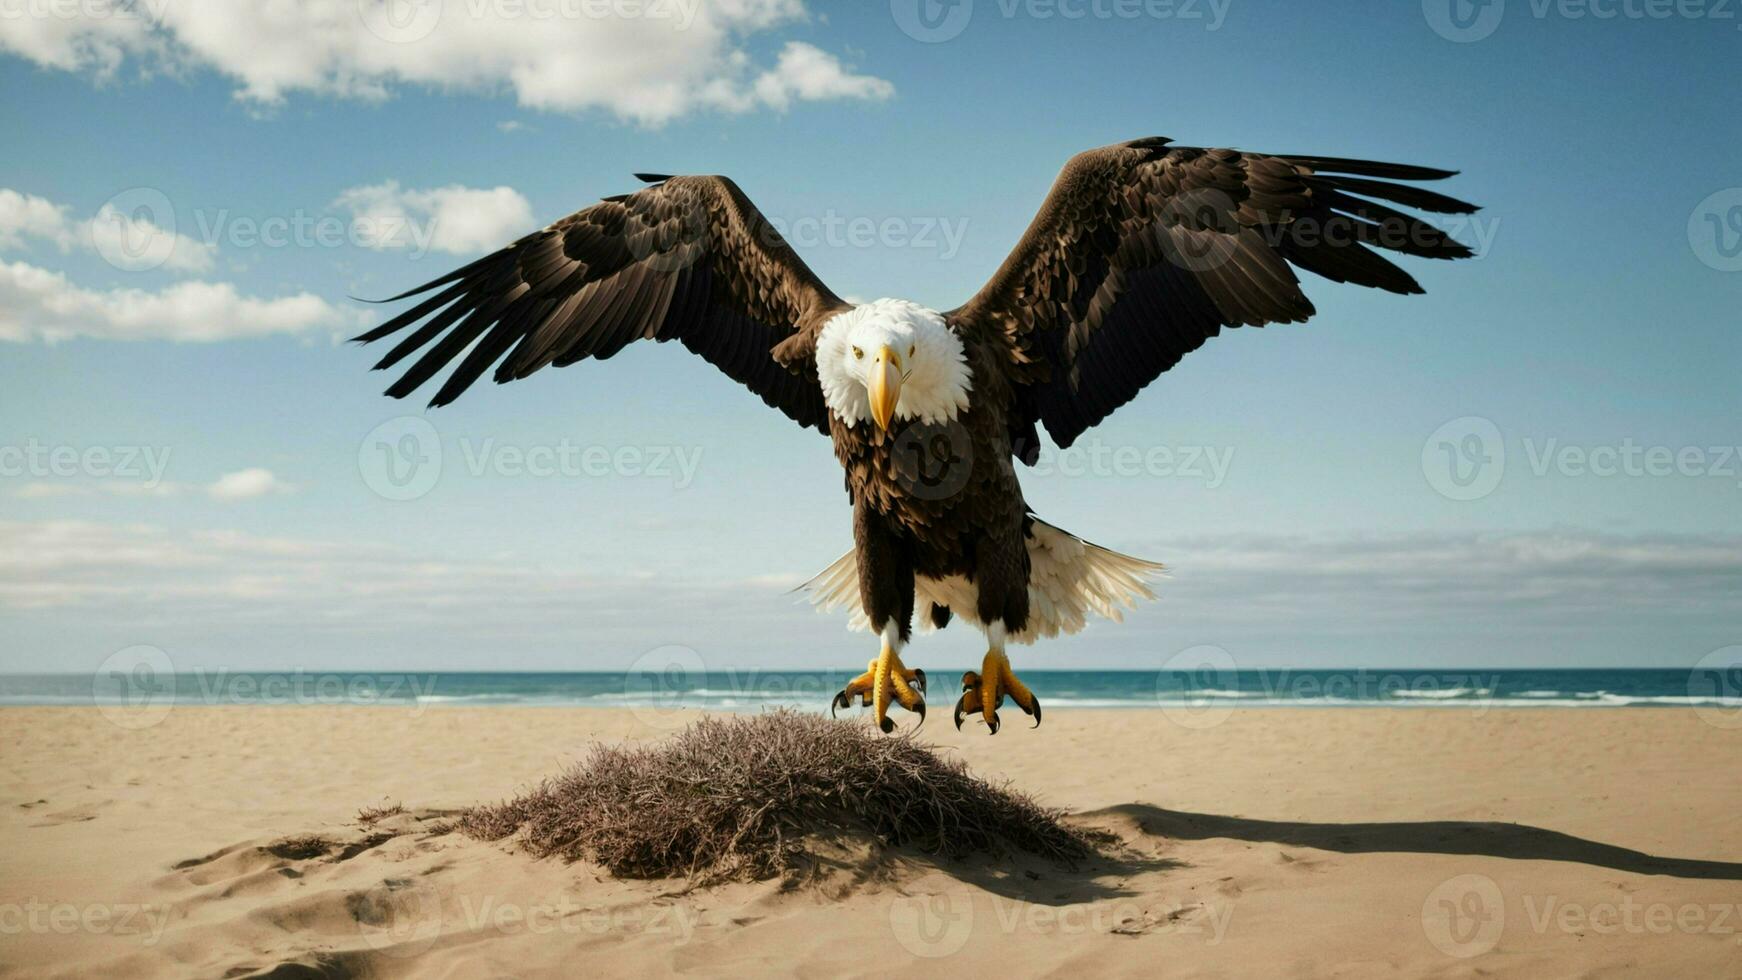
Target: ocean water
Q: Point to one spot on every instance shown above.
(811, 690)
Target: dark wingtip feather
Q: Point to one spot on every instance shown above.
(653, 178)
(1368, 168)
(373, 334)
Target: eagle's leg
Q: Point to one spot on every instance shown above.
(892, 681)
(985, 691)
(861, 687)
(886, 681)
(886, 589)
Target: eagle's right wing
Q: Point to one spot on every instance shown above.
(690, 259)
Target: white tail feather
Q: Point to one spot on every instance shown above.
(1068, 578)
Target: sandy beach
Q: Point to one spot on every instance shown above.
(226, 842)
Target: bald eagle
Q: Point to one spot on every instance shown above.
(1141, 252)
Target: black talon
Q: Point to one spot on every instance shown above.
(994, 724)
(921, 712)
(1036, 712)
(959, 710)
(887, 725)
(841, 701)
(919, 679)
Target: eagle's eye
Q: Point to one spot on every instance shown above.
(858, 353)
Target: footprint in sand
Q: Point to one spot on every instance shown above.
(325, 890)
(77, 814)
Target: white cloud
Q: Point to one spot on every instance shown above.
(129, 242)
(809, 73)
(26, 216)
(453, 219)
(96, 37)
(247, 484)
(1473, 599)
(222, 577)
(36, 304)
(50, 489)
(647, 61)
(1390, 578)
(44, 490)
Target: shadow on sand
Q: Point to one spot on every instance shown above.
(1504, 840)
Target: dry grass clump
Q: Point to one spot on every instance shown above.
(742, 797)
(302, 847)
(372, 814)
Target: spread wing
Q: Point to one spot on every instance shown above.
(690, 259)
(1143, 251)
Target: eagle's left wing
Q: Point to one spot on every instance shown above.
(690, 259)
(1143, 251)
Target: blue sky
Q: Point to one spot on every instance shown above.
(1601, 316)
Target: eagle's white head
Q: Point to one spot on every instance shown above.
(891, 359)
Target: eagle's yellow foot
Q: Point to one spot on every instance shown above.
(885, 679)
(984, 692)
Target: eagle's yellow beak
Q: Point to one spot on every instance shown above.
(885, 386)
